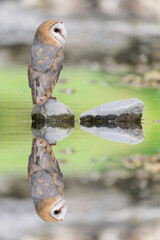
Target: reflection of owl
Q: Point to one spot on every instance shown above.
(46, 60)
(46, 182)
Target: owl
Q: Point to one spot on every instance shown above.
(46, 60)
(46, 182)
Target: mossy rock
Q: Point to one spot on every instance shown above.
(54, 113)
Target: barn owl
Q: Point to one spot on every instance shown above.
(46, 182)
(46, 60)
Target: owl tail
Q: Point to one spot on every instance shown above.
(43, 96)
(33, 95)
(39, 94)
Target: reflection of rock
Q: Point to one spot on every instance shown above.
(151, 163)
(52, 134)
(54, 111)
(117, 134)
(38, 124)
(103, 123)
(46, 182)
(133, 162)
(130, 110)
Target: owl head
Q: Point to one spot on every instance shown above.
(51, 32)
(51, 209)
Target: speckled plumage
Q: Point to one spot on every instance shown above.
(45, 63)
(45, 178)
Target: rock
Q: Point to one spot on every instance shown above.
(67, 151)
(52, 134)
(52, 111)
(133, 162)
(105, 84)
(119, 32)
(147, 232)
(92, 82)
(133, 79)
(67, 91)
(130, 110)
(151, 163)
(117, 134)
(110, 234)
(152, 78)
(62, 80)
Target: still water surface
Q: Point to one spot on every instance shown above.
(112, 189)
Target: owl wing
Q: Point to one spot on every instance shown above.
(42, 56)
(58, 65)
(55, 173)
(45, 65)
(45, 177)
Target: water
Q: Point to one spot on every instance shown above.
(111, 188)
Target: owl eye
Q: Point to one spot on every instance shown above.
(56, 30)
(56, 212)
(59, 210)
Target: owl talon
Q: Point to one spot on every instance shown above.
(54, 98)
(53, 144)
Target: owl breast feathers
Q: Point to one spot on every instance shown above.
(46, 61)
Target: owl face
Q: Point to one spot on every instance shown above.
(51, 32)
(59, 210)
(59, 32)
(51, 209)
